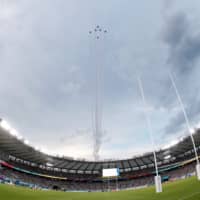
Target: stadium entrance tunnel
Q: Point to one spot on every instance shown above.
(56, 187)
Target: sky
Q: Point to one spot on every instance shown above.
(48, 61)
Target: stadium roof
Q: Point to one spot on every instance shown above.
(15, 146)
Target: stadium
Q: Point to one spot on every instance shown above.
(23, 165)
(99, 100)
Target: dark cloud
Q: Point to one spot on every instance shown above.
(183, 42)
(182, 38)
(177, 121)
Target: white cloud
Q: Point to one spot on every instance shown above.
(47, 74)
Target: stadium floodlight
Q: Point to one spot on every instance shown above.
(26, 142)
(167, 157)
(157, 178)
(5, 125)
(14, 132)
(42, 150)
(49, 164)
(171, 144)
(45, 151)
(190, 129)
(19, 137)
(36, 148)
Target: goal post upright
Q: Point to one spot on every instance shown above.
(157, 178)
(187, 124)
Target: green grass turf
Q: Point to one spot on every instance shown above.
(179, 190)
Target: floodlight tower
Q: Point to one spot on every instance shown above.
(97, 35)
(187, 123)
(157, 178)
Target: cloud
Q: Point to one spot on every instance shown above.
(48, 71)
(177, 122)
(183, 42)
(182, 37)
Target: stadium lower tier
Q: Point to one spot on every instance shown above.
(19, 176)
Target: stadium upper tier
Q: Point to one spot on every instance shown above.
(15, 148)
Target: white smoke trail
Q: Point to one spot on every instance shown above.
(98, 52)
